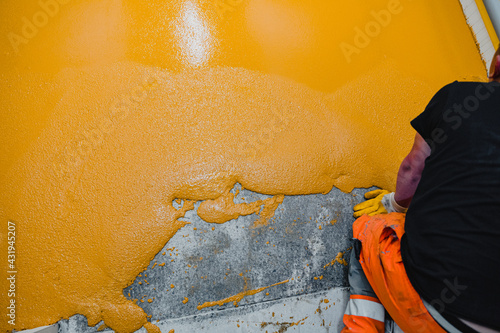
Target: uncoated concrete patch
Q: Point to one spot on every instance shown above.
(209, 262)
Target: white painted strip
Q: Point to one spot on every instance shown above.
(366, 308)
(475, 21)
(493, 7)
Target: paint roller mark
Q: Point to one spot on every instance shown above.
(338, 259)
(238, 297)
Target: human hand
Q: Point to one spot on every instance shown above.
(373, 205)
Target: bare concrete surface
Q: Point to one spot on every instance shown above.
(210, 262)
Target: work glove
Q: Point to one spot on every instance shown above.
(378, 202)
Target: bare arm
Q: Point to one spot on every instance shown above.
(410, 171)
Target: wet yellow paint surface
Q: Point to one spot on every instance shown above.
(112, 109)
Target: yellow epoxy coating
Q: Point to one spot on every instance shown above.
(224, 209)
(112, 109)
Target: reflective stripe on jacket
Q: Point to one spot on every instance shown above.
(364, 314)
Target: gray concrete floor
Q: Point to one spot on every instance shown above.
(295, 245)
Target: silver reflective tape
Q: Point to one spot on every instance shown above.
(366, 308)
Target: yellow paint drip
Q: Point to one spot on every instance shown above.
(238, 297)
(111, 110)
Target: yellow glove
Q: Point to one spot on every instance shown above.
(373, 205)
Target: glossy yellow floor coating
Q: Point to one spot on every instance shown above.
(112, 109)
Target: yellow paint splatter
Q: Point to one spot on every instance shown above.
(185, 300)
(338, 259)
(238, 297)
(283, 326)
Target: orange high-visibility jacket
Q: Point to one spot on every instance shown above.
(389, 288)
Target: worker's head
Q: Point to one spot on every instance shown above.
(495, 67)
